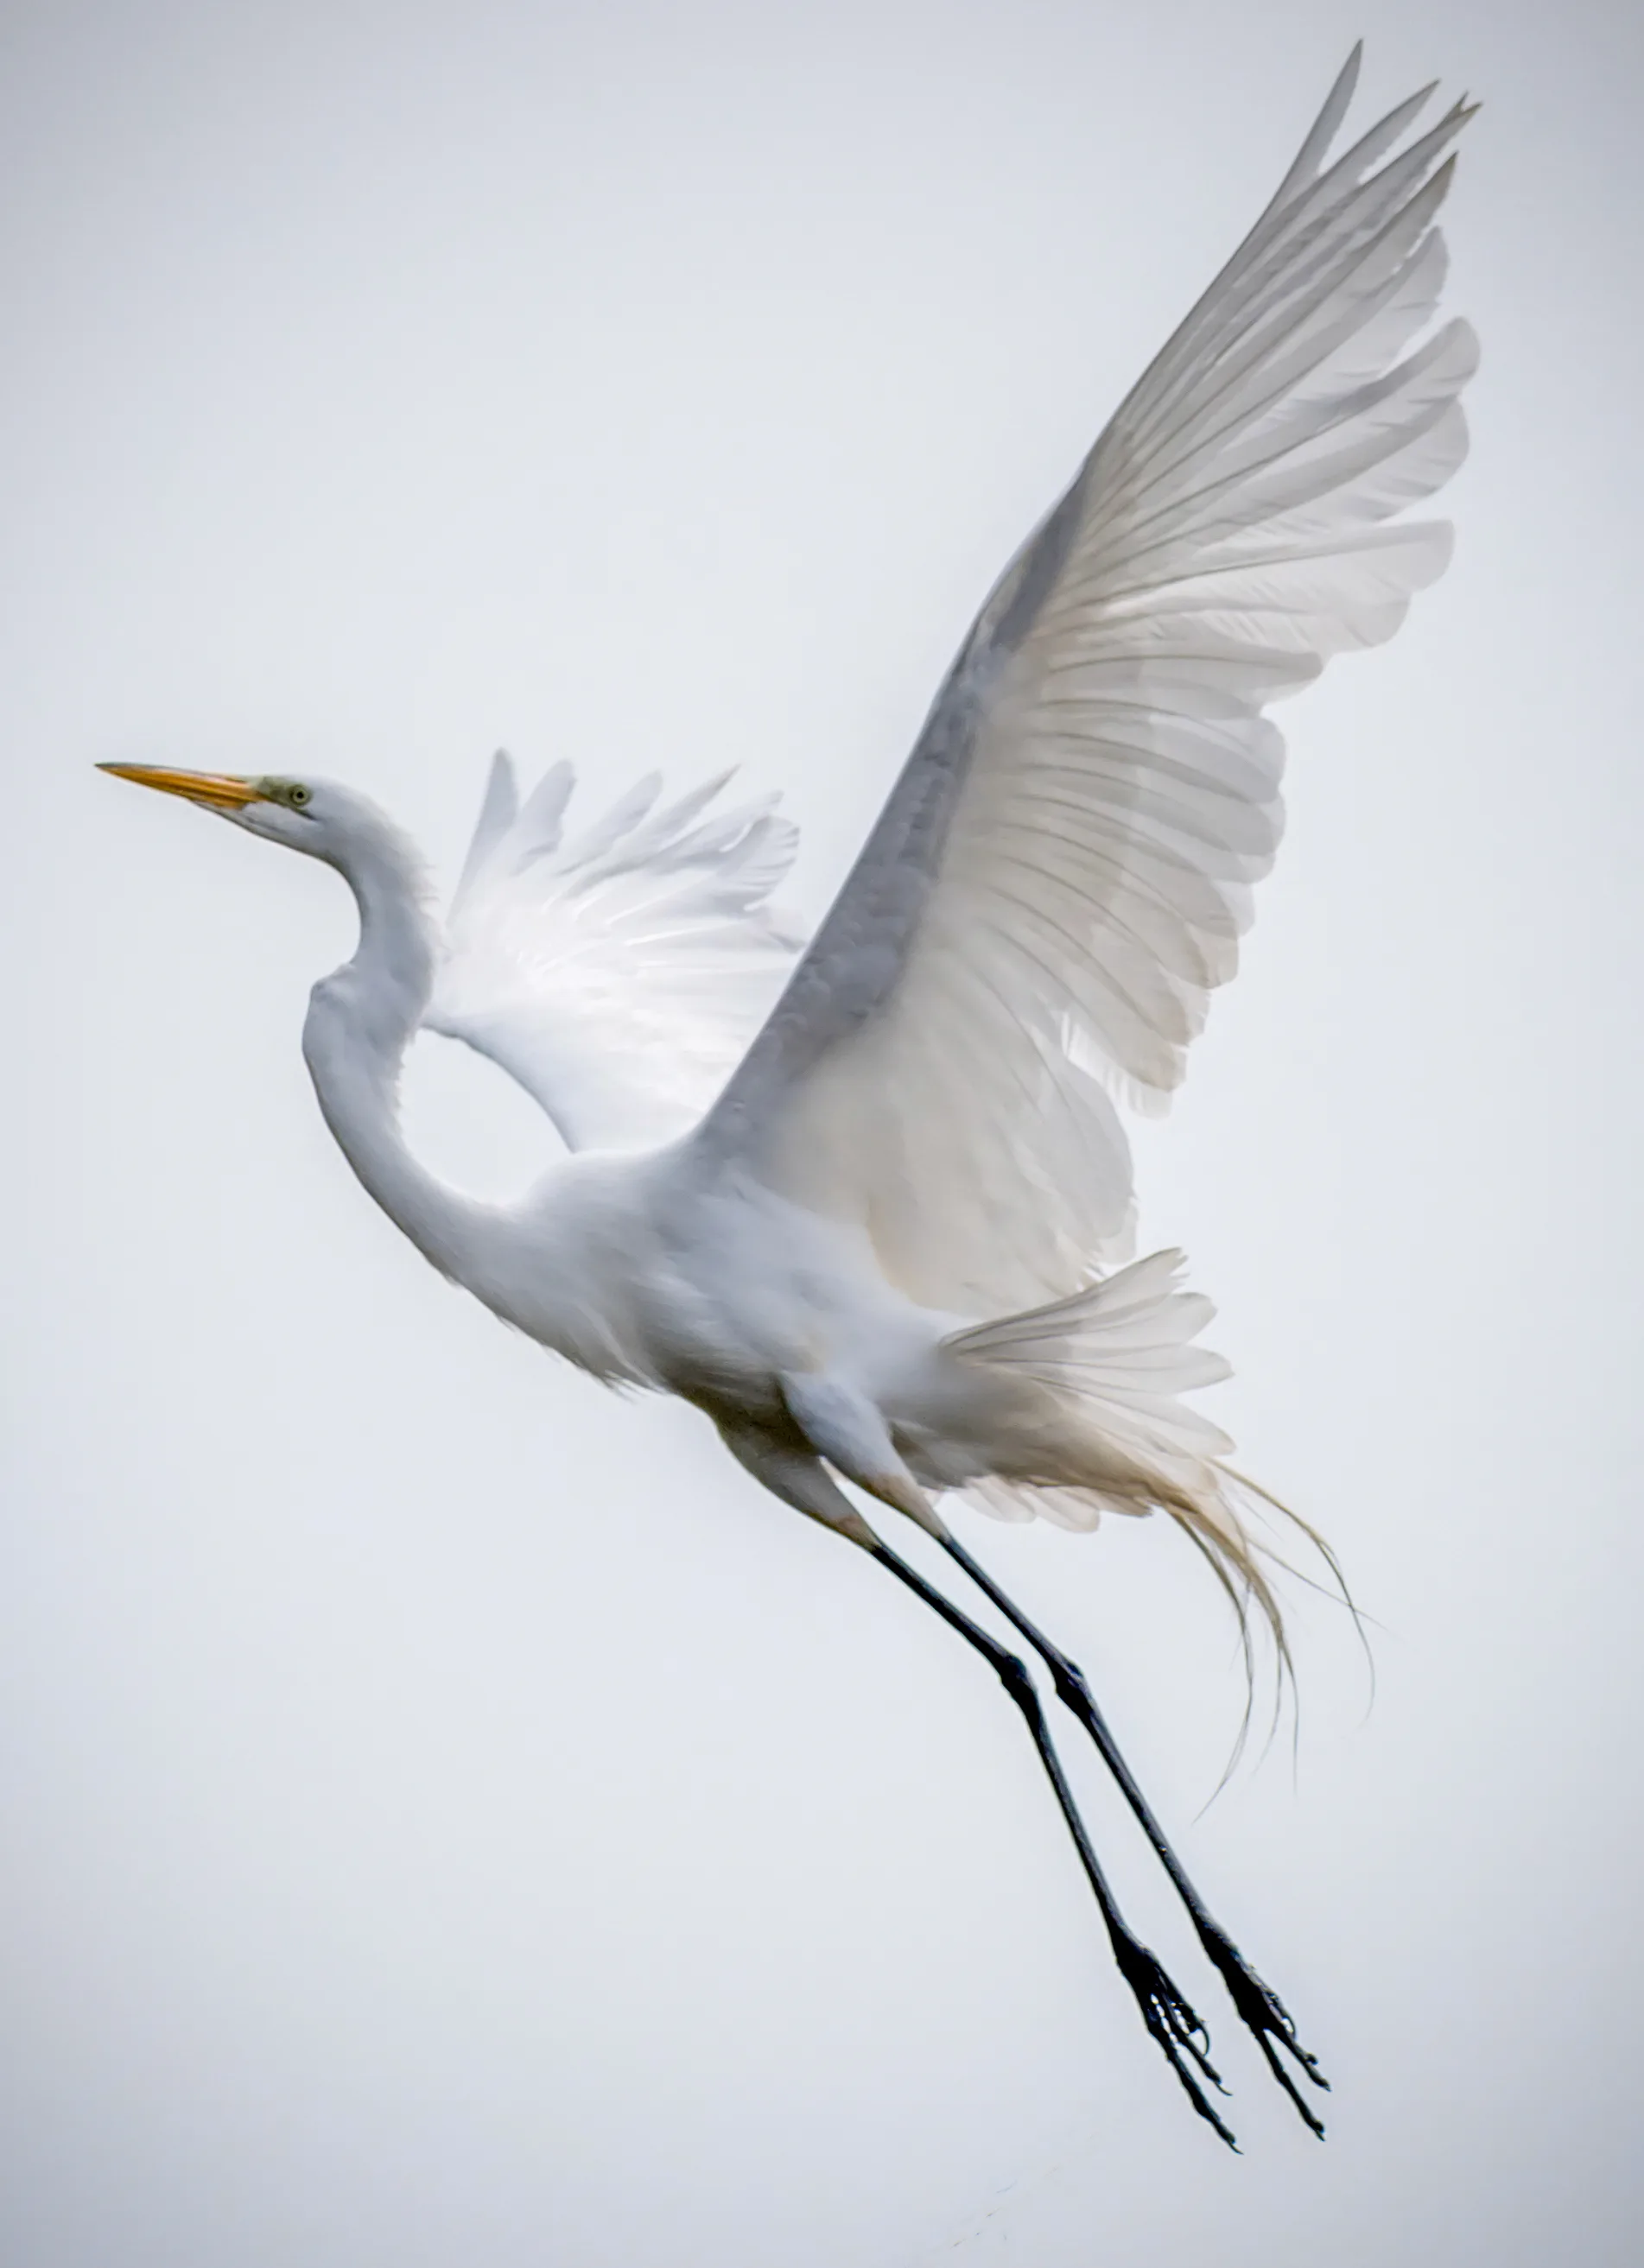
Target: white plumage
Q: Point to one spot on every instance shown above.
(1062, 874)
(862, 1225)
(617, 974)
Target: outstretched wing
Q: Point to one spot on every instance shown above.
(1062, 870)
(617, 973)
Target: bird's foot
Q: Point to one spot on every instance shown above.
(1266, 2015)
(1173, 2023)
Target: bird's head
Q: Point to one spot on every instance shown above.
(312, 815)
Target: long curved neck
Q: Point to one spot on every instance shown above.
(360, 1021)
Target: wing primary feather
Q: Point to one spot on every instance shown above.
(536, 833)
(498, 809)
(1322, 132)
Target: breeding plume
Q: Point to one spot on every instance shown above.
(867, 1205)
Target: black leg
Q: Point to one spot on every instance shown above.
(1259, 2007)
(1167, 2015)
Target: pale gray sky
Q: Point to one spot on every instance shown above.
(455, 1821)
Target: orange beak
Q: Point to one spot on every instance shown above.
(216, 790)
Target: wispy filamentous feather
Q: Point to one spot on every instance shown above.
(1121, 1353)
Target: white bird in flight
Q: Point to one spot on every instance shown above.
(875, 1221)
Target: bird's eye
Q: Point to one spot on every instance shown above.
(299, 796)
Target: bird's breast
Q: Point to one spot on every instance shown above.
(628, 1270)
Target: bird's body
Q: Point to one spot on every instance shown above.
(669, 1269)
(870, 1209)
(678, 1267)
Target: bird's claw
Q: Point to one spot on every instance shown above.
(1177, 2026)
(1264, 2014)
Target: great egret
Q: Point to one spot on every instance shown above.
(881, 1236)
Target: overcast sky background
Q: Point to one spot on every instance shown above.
(453, 1820)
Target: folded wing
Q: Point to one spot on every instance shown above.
(1062, 870)
(617, 973)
